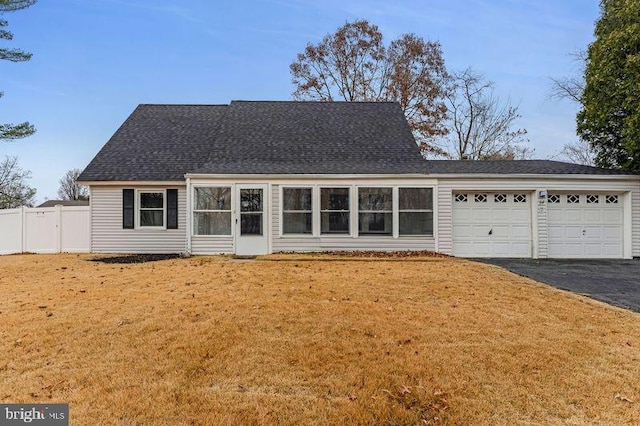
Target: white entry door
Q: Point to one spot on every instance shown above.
(492, 224)
(585, 225)
(251, 219)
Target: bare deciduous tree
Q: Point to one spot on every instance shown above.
(579, 152)
(481, 126)
(353, 64)
(14, 190)
(571, 88)
(69, 189)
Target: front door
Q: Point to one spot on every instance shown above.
(251, 220)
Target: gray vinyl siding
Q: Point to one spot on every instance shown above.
(337, 243)
(203, 244)
(107, 235)
(446, 187)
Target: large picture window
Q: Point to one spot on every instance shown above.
(334, 210)
(151, 209)
(375, 211)
(415, 208)
(296, 211)
(212, 210)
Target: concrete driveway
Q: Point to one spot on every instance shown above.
(616, 282)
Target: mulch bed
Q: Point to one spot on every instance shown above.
(136, 258)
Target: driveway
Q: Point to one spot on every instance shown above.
(616, 282)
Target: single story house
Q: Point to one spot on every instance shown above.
(263, 177)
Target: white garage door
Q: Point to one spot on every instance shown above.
(494, 224)
(584, 225)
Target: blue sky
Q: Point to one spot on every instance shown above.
(95, 60)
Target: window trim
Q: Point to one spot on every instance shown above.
(351, 231)
(138, 208)
(194, 210)
(393, 211)
(399, 210)
(314, 230)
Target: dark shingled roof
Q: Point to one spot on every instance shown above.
(165, 142)
(508, 167)
(157, 143)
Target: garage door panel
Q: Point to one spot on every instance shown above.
(582, 229)
(573, 216)
(482, 215)
(501, 231)
(593, 215)
(498, 227)
(521, 231)
(500, 215)
(461, 231)
(555, 215)
(460, 215)
(592, 232)
(572, 231)
(613, 233)
(612, 216)
(522, 249)
(480, 231)
(612, 250)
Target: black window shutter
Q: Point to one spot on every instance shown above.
(172, 209)
(127, 208)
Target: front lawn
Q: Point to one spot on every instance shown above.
(299, 339)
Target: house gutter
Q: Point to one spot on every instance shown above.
(411, 176)
(189, 218)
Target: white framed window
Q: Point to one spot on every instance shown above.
(480, 198)
(554, 198)
(212, 210)
(415, 211)
(499, 198)
(593, 199)
(573, 199)
(461, 198)
(611, 199)
(297, 211)
(335, 210)
(375, 211)
(151, 209)
(519, 198)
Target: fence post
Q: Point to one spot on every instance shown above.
(58, 228)
(23, 228)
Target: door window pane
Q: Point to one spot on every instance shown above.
(250, 200)
(251, 224)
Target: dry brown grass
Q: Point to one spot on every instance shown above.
(304, 341)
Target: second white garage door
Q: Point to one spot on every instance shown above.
(585, 225)
(493, 224)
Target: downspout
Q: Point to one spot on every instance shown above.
(189, 217)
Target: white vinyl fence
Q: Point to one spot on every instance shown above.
(45, 230)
